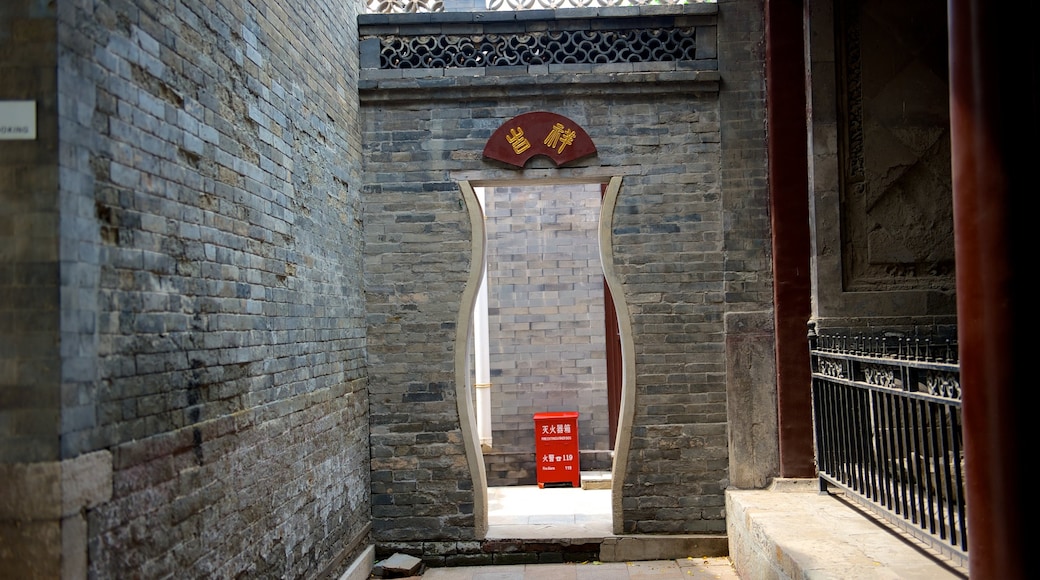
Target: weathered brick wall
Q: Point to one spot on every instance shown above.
(545, 303)
(211, 227)
(668, 249)
(30, 323)
(29, 276)
(417, 256)
(743, 169)
(669, 253)
(660, 128)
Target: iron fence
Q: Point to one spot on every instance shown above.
(887, 414)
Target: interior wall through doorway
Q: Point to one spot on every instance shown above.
(545, 322)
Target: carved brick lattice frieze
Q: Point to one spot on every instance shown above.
(561, 47)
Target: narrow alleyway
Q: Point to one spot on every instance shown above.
(532, 513)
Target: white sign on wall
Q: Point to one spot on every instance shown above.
(17, 120)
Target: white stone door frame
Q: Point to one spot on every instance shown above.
(464, 388)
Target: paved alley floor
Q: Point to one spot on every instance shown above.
(530, 512)
(682, 569)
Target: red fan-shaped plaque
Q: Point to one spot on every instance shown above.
(539, 133)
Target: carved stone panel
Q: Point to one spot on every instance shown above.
(896, 191)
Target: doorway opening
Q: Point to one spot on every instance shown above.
(540, 325)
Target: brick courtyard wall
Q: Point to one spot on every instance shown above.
(743, 167)
(201, 215)
(30, 324)
(545, 303)
(658, 125)
(29, 276)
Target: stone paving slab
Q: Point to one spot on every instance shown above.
(793, 531)
(682, 569)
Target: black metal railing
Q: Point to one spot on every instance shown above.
(887, 414)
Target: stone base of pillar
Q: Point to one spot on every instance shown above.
(43, 525)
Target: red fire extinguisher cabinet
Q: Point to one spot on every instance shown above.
(556, 448)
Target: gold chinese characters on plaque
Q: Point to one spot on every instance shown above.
(539, 133)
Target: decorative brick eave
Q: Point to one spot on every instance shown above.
(688, 68)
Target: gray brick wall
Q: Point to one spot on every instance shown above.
(683, 259)
(669, 252)
(743, 169)
(545, 303)
(194, 241)
(668, 245)
(30, 357)
(417, 253)
(205, 274)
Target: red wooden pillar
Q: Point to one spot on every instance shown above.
(993, 114)
(789, 213)
(612, 337)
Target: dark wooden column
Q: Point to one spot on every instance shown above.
(789, 214)
(993, 111)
